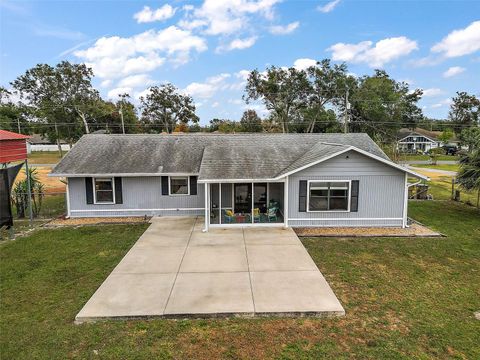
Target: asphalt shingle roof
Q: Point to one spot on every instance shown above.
(212, 156)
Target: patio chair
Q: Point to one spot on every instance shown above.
(272, 214)
(229, 216)
(256, 215)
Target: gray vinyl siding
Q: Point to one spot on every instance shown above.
(141, 196)
(381, 192)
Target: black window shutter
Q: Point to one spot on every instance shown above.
(193, 185)
(118, 190)
(302, 204)
(89, 189)
(354, 197)
(164, 185)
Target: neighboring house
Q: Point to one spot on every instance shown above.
(420, 140)
(41, 143)
(238, 179)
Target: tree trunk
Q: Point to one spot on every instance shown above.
(84, 119)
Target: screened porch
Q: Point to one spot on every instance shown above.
(246, 203)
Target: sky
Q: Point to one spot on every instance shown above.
(206, 48)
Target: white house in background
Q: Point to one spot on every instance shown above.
(419, 140)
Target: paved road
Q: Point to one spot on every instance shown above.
(437, 171)
(426, 162)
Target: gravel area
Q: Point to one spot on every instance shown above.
(98, 220)
(413, 230)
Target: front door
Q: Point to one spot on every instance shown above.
(242, 198)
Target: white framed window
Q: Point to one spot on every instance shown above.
(104, 191)
(328, 195)
(179, 185)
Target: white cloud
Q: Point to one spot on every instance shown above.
(284, 30)
(303, 64)
(135, 81)
(114, 56)
(238, 44)
(328, 7)
(442, 103)
(460, 42)
(147, 15)
(114, 93)
(215, 104)
(243, 74)
(432, 92)
(453, 71)
(384, 51)
(226, 17)
(106, 83)
(207, 89)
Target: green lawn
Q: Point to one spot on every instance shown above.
(426, 157)
(405, 298)
(45, 157)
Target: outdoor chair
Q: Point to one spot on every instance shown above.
(256, 215)
(272, 214)
(229, 216)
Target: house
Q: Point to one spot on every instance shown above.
(39, 142)
(238, 179)
(420, 140)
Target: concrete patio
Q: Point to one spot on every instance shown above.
(174, 270)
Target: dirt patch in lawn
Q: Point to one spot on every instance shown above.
(97, 221)
(52, 184)
(413, 230)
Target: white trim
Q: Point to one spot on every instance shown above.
(279, 179)
(240, 225)
(417, 134)
(68, 199)
(178, 177)
(207, 207)
(220, 203)
(285, 203)
(405, 202)
(366, 153)
(338, 219)
(329, 211)
(95, 202)
(126, 210)
(121, 175)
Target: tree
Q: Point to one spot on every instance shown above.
(250, 122)
(109, 115)
(59, 95)
(164, 105)
(446, 136)
(464, 111)
(471, 138)
(328, 85)
(469, 174)
(381, 106)
(13, 117)
(283, 92)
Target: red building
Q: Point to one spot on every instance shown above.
(13, 146)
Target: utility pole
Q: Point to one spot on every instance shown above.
(18, 124)
(58, 140)
(121, 117)
(347, 107)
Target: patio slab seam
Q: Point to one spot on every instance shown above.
(249, 273)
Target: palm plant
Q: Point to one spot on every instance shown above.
(20, 194)
(469, 173)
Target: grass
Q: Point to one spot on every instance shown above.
(447, 167)
(426, 157)
(44, 157)
(404, 298)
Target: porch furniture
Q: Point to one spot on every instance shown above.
(229, 216)
(256, 215)
(272, 214)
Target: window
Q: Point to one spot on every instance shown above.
(179, 185)
(328, 196)
(104, 191)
